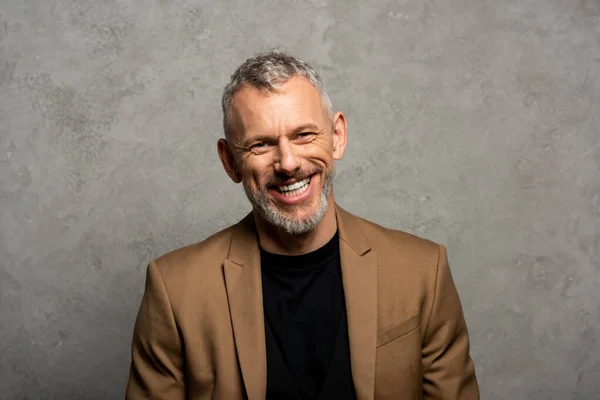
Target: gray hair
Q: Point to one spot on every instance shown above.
(267, 71)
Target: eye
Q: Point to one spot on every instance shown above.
(304, 135)
(260, 147)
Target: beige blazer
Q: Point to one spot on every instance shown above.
(200, 333)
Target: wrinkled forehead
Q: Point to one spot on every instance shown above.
(295, 102)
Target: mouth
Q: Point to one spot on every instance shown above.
(294, 189)
(295, 193)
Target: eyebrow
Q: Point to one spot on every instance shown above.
(305, 127)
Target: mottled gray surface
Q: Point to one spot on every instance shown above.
(474, 123)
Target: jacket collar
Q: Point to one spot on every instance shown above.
(350, 231)
(244, 242)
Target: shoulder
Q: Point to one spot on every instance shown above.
(215, 247)
(401, 256)
(197, 266)
(386, 240)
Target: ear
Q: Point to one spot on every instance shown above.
(340, 135)
(228, 160)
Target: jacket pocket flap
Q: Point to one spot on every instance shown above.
(398, 330)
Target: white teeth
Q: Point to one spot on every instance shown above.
(296, 192)
(294, 186)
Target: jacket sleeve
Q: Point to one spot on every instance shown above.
(448, 371)
(156, 353)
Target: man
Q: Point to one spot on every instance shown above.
(299, 300)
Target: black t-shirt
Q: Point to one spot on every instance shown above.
(303, 299)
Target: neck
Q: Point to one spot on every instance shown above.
(274, 240)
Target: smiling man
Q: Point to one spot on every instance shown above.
(300, 299)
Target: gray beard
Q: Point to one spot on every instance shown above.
(274, 216)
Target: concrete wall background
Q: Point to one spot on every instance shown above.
(472, 123)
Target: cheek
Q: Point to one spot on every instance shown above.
(322, 158)
(257, 173)
(323, 150)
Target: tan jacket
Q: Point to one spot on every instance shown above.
(200, 333)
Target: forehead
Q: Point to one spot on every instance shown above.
(296, 102)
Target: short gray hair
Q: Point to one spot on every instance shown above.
(267, 71)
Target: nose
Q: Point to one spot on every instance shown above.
(288, 162)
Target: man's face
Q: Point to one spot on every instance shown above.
(283, 149)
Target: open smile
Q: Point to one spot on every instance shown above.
(293, 193)
(295, 188)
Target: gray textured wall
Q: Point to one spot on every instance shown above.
(474, 123)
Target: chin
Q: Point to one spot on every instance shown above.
(297, 222)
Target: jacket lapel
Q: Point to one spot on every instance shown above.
(359, 275)
(244, 292)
